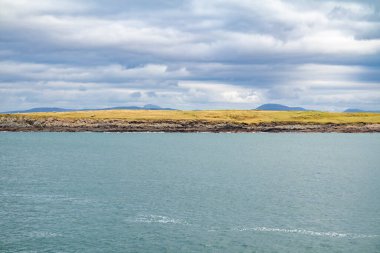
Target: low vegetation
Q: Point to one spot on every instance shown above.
(229, 116)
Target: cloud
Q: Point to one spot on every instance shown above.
(219, 92)
(115, 73)
(190, 54)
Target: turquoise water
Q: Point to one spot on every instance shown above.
(145, 192)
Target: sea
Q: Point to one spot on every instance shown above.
(195, 192)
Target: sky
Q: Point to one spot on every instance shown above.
(190, 54)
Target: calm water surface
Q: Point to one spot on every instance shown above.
(144, 192)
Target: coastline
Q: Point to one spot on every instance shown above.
(30, 124)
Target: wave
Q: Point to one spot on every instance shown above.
(46, 197)
(41, 234)
(156, 219)
(306, 232)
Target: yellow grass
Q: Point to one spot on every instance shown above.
(238, 116)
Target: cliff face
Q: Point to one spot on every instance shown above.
(21, 123)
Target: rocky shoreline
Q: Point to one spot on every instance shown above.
(27, 124)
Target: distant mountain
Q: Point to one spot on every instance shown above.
(278, 107)
(145, 107)
(56, 109)
(151, 107)
(117, 108)
(42, 109)
(358, 110)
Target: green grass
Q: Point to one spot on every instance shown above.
(236, 116)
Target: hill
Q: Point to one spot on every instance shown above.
(359, 110)
(278, 107)
(57, 109)
(42, 109)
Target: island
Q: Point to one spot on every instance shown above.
(191, 121)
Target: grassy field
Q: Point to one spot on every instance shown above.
(237, 116)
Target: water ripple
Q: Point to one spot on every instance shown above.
(305, 232)
(156, 219)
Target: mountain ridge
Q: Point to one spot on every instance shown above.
(58, 109)
(279, 107)
(360, 110)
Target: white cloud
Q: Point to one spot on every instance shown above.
(35, 71)
(308, 31)
(219, 92)
(225, 53)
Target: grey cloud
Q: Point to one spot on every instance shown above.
(72, 51)
(135, 95)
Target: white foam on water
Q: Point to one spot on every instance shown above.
(46, 197)
(157, 219)
(42, 234)
(306, 232)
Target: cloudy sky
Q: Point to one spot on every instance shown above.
(190, 54)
